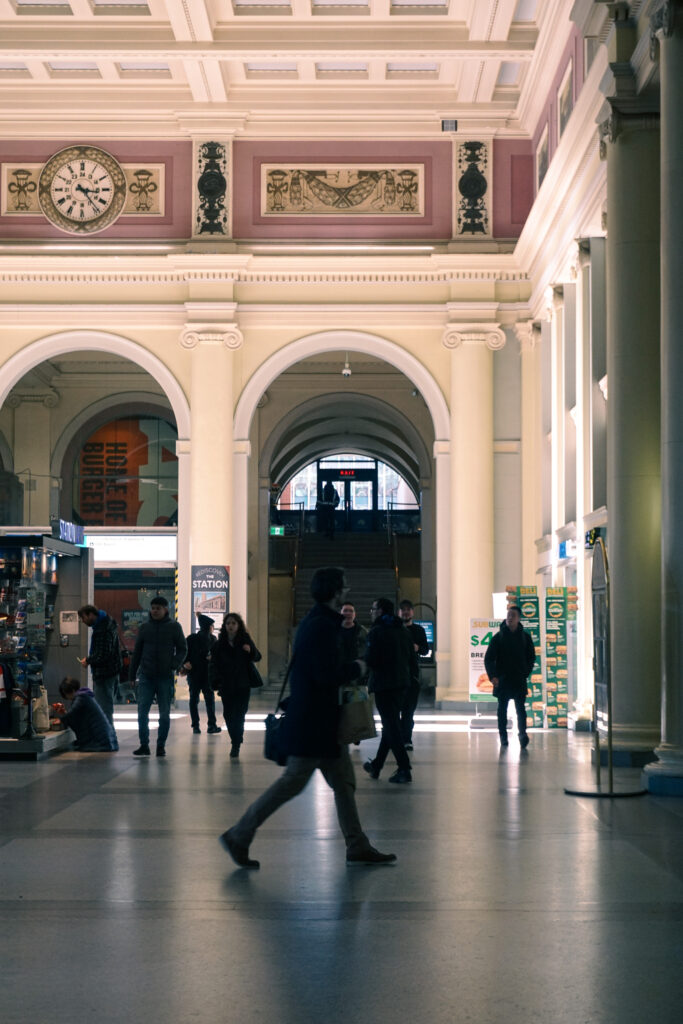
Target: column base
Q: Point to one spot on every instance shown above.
(664, 777)
(624, 758)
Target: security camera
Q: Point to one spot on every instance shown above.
(346, 370)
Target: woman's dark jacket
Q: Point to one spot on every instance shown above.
(510, 657)
(229, 664)
(104, 658)
(389, 655)
(94, 732)
(318, 670)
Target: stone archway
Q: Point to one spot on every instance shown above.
(381, 349)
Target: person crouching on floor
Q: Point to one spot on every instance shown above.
(94, 732)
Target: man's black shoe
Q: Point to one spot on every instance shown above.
(408, 745)
(503, 741)
(235, 750)
(401, 777)
(240, 854)
(142, 751)
(213, 729)
(524, 741)
(196, 730)
(161, 751)
(370, 768)
(370, 856)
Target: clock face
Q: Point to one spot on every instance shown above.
(82, 189)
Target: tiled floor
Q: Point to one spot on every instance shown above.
(510, 901)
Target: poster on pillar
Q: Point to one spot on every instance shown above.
(526, 598)
(482, 632)
(560, 619)
(210, 592)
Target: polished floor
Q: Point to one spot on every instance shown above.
(510, 901)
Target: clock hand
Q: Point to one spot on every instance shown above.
(86, 193)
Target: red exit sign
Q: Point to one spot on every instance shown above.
(347, 472)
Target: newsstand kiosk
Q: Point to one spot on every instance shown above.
(43, 582)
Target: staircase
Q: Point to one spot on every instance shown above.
(366, 559)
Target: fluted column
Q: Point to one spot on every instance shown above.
(666, 775)
(443, 518)
(211, 399)
(472, 497)
(631, 145)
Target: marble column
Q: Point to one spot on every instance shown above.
(472, 497)
(666, 774)
(630, 142)
(211, 472)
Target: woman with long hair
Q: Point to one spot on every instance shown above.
(232, 674)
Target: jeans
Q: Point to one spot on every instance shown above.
(389, 704)
(503, 716)
(408, 711)
(235, 705)
(195, 689)
(338, 774)
(148, 689)
(104, 695)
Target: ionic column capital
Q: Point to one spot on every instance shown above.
(227, 334)
(528, 334)
(457, 335)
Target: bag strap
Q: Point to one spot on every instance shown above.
(284, 684)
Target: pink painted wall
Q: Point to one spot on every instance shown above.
(248, 223)
(176, 223)
(513, 186)
(572, 51)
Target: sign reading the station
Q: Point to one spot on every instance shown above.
(211, 591)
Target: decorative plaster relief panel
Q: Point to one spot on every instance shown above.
(342, 189)
(473, 189)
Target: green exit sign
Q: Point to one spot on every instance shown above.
(277, 531)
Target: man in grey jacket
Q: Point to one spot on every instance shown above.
(160, 650)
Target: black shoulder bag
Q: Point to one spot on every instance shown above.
(273, 747)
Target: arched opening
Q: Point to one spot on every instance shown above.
(311, 413)
(94, 420)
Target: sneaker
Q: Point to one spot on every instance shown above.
(213, 729)
(369, 767)
(142, 751)
(161, 751)
(401, 777)
(196, 730)
(370, 856)
(240, 854)
(408, 746)
(235, 750)
(524, 741)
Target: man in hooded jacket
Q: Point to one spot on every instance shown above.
(104, 656)
(508, 661)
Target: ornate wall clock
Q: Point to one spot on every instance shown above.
(82, 189)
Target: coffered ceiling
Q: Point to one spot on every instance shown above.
(267, 68)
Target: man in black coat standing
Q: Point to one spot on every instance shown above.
(509, 660)
(311, 724)
(388, 656)
(418, 639)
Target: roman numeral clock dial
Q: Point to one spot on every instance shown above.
(82, 189)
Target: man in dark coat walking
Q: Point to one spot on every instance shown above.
(418, 639)
(199, 646)
(508, 661)
(389, 655)
(311, 724)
